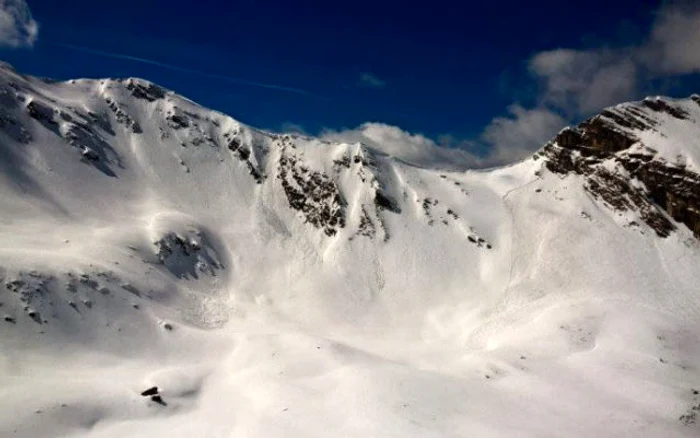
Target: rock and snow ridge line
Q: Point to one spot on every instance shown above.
(620, 134)
(313, 193)
(617, 152)
(269, 285)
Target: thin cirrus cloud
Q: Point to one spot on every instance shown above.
(17, 27)
(371, 81)
(177, 68)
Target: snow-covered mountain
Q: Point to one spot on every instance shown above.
(276, 285)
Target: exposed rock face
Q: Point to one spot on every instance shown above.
(313, 193)
(187, 255)
(235, 145)
(385, 202)
(122, 117)
(146, 91)
(625, 179)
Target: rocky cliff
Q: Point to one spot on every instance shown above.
(615, 154)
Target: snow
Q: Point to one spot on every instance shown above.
(252, 322)
(673, 140)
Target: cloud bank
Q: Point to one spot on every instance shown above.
(507, 138)
(588, 80)
(413, 148)
(17, 27)
(573, 84)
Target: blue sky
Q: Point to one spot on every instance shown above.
(464, 74)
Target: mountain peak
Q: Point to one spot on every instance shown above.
(642, 156)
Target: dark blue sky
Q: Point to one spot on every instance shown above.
(440, 67)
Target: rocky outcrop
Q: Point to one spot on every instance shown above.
(145, 91)
(312, 193)
(243, 153)
(188, 254)
(122, 117)
(599, 149)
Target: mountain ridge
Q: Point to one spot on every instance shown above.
(276, 285)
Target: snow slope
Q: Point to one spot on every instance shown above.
(277, 285)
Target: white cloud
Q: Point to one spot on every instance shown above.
(674, 44)
(509, 139)
(17, 27)
(581, 82)
(413, 148)
(575, 83)
(521, 133)
(372, 81)
(584, 81)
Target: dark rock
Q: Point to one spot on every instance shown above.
(122, 117)
(343, 162)
(385, 202)
(235, 144)
(171, 244)
(691, 416)
(367, 227)
(40, 112)
(34, 315)
(147, 92)
(177, 121)
(150, 391)
(89, 154)
(314, 194)
(101, 121)
(661, 105)
(158, 399)
(243, 153)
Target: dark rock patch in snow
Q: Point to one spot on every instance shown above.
(187, 255)
(150, 391)
(660, 105)
(122, 117)
(386, 202)
(243, 153)
(312, 193)
(145, 91)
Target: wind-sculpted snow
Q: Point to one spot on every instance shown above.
(166, 270)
